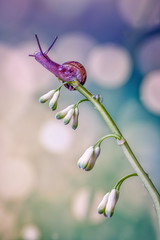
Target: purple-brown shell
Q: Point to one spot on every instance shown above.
(75, 70)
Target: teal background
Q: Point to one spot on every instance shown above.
(43, 194)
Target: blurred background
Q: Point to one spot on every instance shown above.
(43, 195)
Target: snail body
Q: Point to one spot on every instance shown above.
(67, 72)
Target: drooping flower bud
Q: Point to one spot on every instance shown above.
(53, 101)
(89, 158)
(83, 161)
(108, 203)
(70, 113)
(74, 120)
(93, 159)
(63, 113)
(102, 205)
(68, 116)
(112, 200)
(46, 96)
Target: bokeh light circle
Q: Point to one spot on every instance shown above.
(30, 232)
(149, 55)
(17, 179)
(150, 91)
(144, 13)
(109, 65)
(18, 74)
(74, 46)
(80, 203)
(84, 205)
(144, 139)
(55, 137)
(94, 217)
(24, 75)
(68, 9)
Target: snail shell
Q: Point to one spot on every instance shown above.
(74, 70)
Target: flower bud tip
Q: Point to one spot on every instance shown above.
(53, 101)
(46, 96)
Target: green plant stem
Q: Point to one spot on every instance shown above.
(119, 183)
(125, 147)
(107, 136)
(83, 100)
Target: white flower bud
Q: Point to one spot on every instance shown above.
(74, 120)
(93, 158)
(83, 161)
(108, 203)
(46, 96)
(63, 113)
(88, 159)
(68, 116)
(111, 203)
(102, 205)
(53, 101)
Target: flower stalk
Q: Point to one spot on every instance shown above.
(74, 70)
(124, 145)
(119, 183)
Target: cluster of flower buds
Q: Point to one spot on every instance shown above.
(69, 114)
(53, 95)
(89, 158)
(108, 203)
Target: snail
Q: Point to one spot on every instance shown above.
(66, 72)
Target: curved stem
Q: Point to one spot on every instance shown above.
(107, 136)
(119, 183)
(125, 147)
(82, 100)
(61, 84)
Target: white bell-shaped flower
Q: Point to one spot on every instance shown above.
(93, 159)
(102, 205)
(70, 114)
(111, 203)
(64, 112)
(108, 203)
(89, 158)
(54, 99)
(74, 120)
(46, 96)
(83, 161)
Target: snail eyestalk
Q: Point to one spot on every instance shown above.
(46, 52)
(39, 45)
